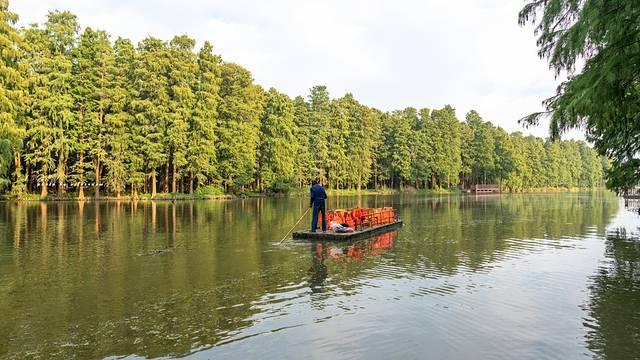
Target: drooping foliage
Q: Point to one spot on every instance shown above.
(603, 96)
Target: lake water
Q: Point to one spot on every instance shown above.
(526, 276)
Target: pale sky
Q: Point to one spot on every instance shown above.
(389, 54)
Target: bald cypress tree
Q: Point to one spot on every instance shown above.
(201, 150)
(383, 170)
(446, 145)
(92, 85)
(361, 138)
(400, 148)
(482, 147)
(466, 140)
(521, 170)
(124, 164)
(504, 154)
(319, 120)
(51, 103)
(182, 75)
(421, 156)
(12, 101)
(151, 106)
(279, 145)
(305, 169)
(536, 159)
(239, 126)
(337, 132)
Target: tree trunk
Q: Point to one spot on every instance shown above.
(96, 191)
(80, 191)
(44, 191)
(173, 179)
(61, 174)
(166, 178)
(191, 183)
(27, 175)
(20, 184)
(359, 183)
(153, 183)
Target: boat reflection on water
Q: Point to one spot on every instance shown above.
(354, 250)
(340, 252)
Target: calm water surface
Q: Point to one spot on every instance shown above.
(553, 276)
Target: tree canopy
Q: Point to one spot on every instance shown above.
(80, 112)
(598, 44)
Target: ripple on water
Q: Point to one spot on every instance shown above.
(517, 276)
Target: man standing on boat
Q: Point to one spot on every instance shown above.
(318, 195)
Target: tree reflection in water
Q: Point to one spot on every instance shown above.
(614, 307)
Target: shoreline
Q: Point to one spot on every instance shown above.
(185, 197)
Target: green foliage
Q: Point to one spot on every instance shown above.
(482, 147)
(92, 82)
(318, 128)
(12, 91)
(339, 162)
(446, 146)
(181, 77)
(5, 163)
(201, 161)
(305, 169)
(209, 190)
(124, 165)
(151, 107)
(79, 111)
(603, 97)
(361, 141)
(278, 146)
(239, 126)
(49, 56)
(399, 138)
(504, 154)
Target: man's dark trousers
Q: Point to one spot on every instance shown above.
(314, 221)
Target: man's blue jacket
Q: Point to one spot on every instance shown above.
(317, 195)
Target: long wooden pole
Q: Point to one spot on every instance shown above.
(294, 226)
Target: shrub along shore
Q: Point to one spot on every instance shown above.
(296, 193)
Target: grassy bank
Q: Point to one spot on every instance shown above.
(218, 194)
(139, 197)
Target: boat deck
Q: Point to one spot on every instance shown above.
(360, 234)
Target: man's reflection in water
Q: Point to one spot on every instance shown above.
(318, 269)
(320, 251)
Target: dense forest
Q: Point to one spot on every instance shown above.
(80, 114)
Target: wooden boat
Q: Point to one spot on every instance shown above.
(361, 233)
